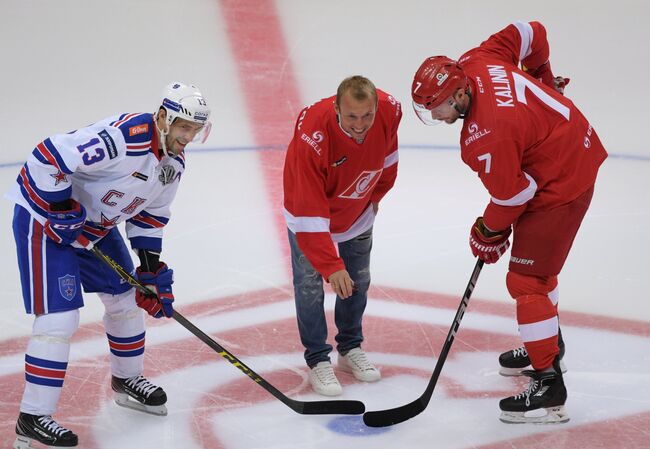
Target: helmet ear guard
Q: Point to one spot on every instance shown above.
(437, 79)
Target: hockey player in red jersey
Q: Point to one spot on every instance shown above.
(339, 165)
(538, 157)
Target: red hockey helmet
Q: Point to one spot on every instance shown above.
(437, 79)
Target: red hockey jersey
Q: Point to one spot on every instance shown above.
(531, 147)
(331, 181)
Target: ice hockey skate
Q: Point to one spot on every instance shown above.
(42, 429)
(356, 361)
(324, 381)
(139, 394)
(513, 363)
(542, 403)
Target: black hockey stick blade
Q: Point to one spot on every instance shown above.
(388, 417)
(341, 407)
(337, 407)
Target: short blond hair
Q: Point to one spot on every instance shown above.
(360, 87)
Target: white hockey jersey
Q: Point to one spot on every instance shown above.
(113, 169)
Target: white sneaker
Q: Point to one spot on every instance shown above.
(324, 381)
(357, 363)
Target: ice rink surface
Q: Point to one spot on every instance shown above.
(71, 62)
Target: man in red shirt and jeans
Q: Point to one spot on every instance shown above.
(538, 157)
(341, 162)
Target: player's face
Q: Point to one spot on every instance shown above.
(446, 112)
(356, 117)
(181, 132)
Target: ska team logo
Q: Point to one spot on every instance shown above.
(68, 287)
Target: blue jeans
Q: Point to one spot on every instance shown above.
(309, 297)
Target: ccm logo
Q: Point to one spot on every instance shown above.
(363, 185)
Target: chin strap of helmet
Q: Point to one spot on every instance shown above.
(463, 114)
(163, 135)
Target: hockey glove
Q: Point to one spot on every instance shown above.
(559, 83)
(159, 301)
(65, 221)
(488, 245)
(544, 74)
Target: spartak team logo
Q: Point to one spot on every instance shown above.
(363, 185)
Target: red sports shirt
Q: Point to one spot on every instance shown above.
(531, 147)
(331, 181)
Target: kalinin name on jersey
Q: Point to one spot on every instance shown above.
(501, 85)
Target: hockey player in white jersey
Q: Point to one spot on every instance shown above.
(77, 187)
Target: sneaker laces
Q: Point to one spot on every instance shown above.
(141, 385)
(325, 374)
(360, 359)
(520, 352)
(48, 423)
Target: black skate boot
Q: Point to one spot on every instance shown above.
(44, 430)
(543, 401)
(138, 393)
(512, 363)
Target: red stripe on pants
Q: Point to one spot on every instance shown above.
(37, 268)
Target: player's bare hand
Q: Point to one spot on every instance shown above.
(342, 284)
(559, 83)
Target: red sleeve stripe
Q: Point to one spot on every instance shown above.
(139, 146)
(35, 197)
(47, 155)
(149, 220)
(125, 119)
(94, 231)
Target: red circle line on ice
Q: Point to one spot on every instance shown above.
(82, 400)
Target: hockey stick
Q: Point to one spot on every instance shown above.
(383, 418)
(342, 407)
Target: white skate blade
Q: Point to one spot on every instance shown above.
(508, 372)
(124, 400)
(551, 415)
(23, 442)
